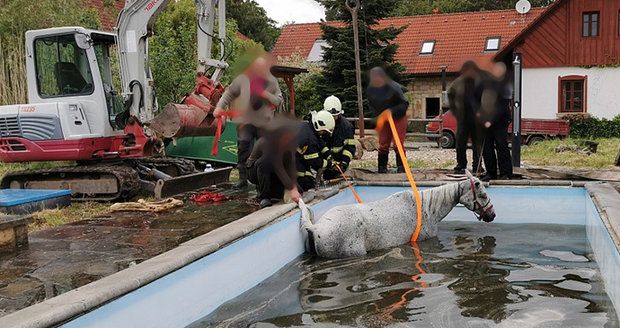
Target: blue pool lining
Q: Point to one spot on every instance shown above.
(66, 306)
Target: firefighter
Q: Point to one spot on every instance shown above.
(341, 144)
(312, 152)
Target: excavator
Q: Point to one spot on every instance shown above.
(116, 139)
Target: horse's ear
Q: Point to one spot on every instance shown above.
(469, 175)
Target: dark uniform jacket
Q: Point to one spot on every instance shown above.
(391, 97)
(342, 142)
(312, 153)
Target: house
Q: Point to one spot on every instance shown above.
(428, 43)
(108, 11)
(570, 60)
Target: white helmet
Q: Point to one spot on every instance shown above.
(323, 121)
(333, 106)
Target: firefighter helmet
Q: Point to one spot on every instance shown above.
(333, 105)
(323, 121)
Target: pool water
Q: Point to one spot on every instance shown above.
(471, 275)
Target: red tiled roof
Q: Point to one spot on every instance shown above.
(107, 13)
(458, 37)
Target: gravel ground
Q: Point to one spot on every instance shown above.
(423, 155)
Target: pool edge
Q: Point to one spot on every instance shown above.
(74, 303)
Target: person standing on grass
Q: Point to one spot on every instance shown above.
(257, 95)
(385, 94)
(495, 115)
(464, 99)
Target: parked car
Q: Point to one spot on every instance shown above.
(533, 130)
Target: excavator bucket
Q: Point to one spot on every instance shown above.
(178, 185)
(177, 120)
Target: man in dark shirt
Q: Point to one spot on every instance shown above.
(385, 94)
(495, 115)
(464, 99)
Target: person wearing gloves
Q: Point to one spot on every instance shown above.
(385, 94)
(341, 143)
(312, 153)
(257, 94)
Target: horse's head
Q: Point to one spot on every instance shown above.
(474, 197)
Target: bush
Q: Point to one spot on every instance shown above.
(591, 127)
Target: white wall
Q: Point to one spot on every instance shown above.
(540, 91)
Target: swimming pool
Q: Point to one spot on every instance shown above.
(196, 290)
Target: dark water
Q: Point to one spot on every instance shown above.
(471, 275)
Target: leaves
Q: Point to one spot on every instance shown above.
(424, 7)
(592, 127)
(376, 49)
(253, 22)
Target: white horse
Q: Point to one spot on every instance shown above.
(354, 230)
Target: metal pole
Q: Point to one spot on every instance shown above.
(444, 103)
(358, 70)
(516, 118)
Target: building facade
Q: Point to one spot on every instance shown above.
(427, 44)
(571, 60)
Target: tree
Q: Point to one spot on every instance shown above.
(253, 21)
(173, 52)
(376, 49)
(19, 16)
(423, 7)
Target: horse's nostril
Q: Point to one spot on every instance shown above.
(489, 217)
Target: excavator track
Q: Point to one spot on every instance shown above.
(102, 183)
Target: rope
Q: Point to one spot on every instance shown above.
(418, 201)
(355, 194)
(145, 206)
(480, 157)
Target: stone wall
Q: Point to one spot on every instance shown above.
(421, 88)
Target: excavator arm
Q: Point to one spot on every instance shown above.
(135, 26)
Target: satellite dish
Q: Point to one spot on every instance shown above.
(523, 6)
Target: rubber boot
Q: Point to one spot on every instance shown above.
(399, 163)
(243, 179)
(382, 162)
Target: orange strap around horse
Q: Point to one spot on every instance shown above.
(387, 115)
(357, 197)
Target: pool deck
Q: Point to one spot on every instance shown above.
(111, 284)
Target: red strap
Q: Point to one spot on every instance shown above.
(218, 132)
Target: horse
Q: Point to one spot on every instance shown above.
(353, 230)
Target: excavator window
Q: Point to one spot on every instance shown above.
(107, 60)
(62, 67)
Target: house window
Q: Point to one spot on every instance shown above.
(492, 44)
(316, 53)
(573, 90)
(590, 24)
(427, 48)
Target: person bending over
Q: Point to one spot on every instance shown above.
(271, 165)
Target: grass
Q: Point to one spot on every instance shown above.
(75, 212)
(544, 154)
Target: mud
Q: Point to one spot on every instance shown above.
(69, 256)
